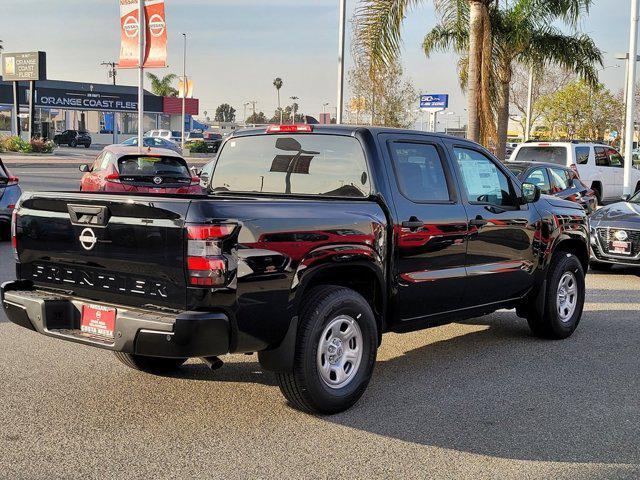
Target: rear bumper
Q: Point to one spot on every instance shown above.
(137, 331)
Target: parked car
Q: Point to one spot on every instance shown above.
(600, 167)
(193, 136)
(9, 194)
(615, 235)
(562, 182)
(120, 168)
(73, 138)
(313, 242)
(153, 142)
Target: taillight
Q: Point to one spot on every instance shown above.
(12, 181)
(113, 177)
(14, 229)
(206, 264)
(290, 129)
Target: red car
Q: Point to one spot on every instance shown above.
(129, 169)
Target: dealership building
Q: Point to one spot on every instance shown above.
(92, 107)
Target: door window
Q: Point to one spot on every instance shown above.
(582, 155)
(602, 159)
(615, 159)
(484, 182)
(419, 172)
(540, 178)
(559, 180)
(97, 163)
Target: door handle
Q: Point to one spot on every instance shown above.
(478, 222)
(412, 224)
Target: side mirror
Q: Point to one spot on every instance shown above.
(625, 197)
(84, 168)
(530, 193)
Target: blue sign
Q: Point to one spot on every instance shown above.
(434, 101)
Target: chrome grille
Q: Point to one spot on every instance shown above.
(606, 236)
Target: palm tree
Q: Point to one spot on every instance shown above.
(378, 30)
(162, 86)
(521, 32)
(278, 84)
(378, 27)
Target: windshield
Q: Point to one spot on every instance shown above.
(153, 166)
(635, 199)
(304, 164)
(516, 169)
(557, 155)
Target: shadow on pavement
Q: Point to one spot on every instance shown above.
(503, 393)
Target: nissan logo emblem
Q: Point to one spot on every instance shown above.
(88, 239)
(157, 180)
(621, 235)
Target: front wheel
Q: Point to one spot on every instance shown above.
(155, 365)
(73, 144)
(87, 145)
(564, 299)
(335, 352)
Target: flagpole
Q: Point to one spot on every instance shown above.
(142, 31)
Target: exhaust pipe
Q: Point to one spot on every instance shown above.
(214, 363)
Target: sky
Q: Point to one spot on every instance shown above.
(237, 47)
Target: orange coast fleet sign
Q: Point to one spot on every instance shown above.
(155, 39)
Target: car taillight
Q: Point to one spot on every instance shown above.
(14, 229)
(113, 177)
(206, 264)
(290, 129)
(12, 181)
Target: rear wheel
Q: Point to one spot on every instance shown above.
(87, 145)
(335, 352)
(564, 299)
(155, 365)
(73, 143)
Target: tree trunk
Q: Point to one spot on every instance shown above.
(475, 63)
(503, 111)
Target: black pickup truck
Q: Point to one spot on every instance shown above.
(311, 243)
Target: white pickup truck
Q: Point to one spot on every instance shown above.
(600, 167)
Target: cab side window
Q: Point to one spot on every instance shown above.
(602, 159)
(420, 172)
(97, 163)
(483, 181)
(540, 178)
(582, 155)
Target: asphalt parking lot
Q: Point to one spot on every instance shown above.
(479, 399)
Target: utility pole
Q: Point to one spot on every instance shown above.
(113, 73)
(142, 32)
(185, 87)
(631, 96)
(293, 109)
(341, 34)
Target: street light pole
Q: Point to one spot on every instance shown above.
(142, 31)
(527, 127)
(185, 87)
(631, 96)
(341, 34)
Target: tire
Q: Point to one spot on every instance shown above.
(307, 388)
(600, 267)
(73, 144)
(155, 365)
(551, 323)
(87, 145)
(5, 232)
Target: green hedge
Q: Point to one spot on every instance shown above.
(17, 144)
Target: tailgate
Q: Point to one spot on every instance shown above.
(111, 248)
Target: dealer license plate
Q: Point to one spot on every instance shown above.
(620, 248)
(98, 320)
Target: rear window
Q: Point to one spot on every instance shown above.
(557, 155)
(293, 164)
(153, 166)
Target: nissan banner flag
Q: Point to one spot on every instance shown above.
(156, 34)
